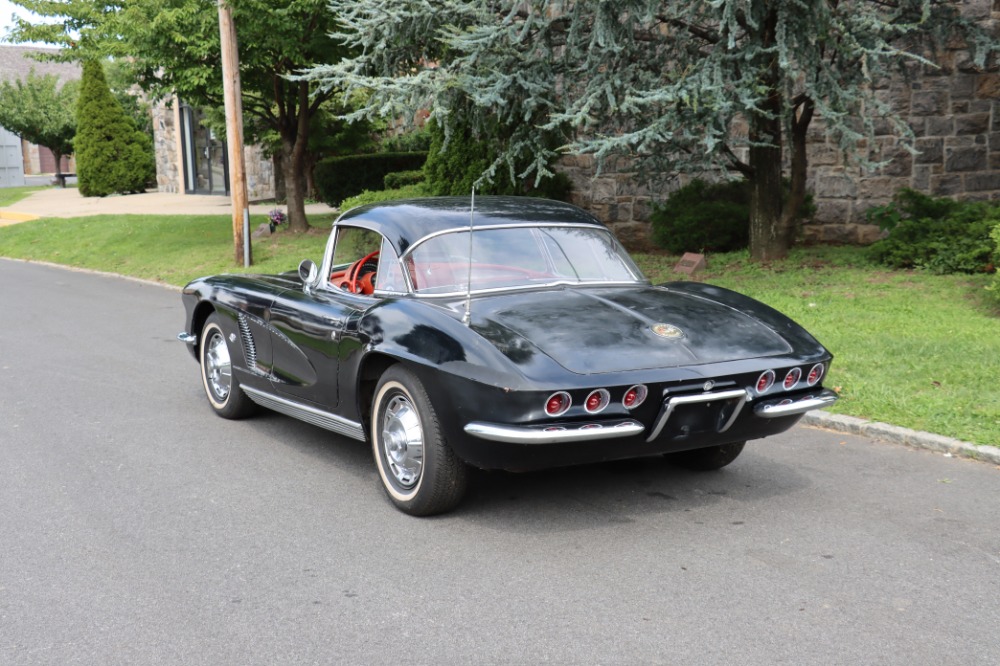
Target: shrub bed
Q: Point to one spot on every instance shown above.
(338, 178)
(937, 234)
(704, 217)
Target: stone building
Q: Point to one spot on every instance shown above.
(191, 159)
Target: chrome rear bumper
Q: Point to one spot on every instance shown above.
(553, 434)
(770, 409)
(583, 432)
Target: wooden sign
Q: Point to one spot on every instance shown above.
(690, 263)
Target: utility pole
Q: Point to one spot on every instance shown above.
(234, 135)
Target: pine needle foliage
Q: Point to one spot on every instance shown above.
(728, 86)
(112, 155)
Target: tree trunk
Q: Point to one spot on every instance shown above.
(294, 187)
(278, 166)
(767, 238)
(294, 140)
(800, 163)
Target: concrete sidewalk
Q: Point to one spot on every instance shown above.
(67, 202)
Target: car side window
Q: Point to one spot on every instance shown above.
(355, 260)
(390, 272)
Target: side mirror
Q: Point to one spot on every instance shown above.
(308, 272)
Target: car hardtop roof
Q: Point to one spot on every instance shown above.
(406, 221)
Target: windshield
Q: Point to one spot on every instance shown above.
(518, 257)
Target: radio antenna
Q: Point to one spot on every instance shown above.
(467, 317)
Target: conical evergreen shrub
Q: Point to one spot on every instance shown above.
(112, 155)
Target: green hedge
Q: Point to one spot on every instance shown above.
(995, 286)
(338, 178)
(399, 179)
(938, 234)
(704, 217)
(414, 191)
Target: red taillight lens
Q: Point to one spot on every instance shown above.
(765, 381)
(558, 403)
(597, 401)
(634, 396)
(792, 378)
(815, 374)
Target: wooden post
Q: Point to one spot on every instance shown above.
(234, 135)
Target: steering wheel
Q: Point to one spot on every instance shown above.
(359, 278)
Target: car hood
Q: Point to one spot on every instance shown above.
(613, 329)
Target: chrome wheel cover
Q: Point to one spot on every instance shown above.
(218, 367)
(402, 441)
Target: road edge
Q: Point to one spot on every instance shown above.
(890, 433)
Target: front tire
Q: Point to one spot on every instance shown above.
(707, 459)
(222, 388)
(420, 473)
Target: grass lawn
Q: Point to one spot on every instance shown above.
(11, 195)
(912, 349)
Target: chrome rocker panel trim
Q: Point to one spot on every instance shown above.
(297, 410)
(545, 435)
(673, 402)
(187, 338)
(774, 409)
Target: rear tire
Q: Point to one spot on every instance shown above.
(420, 473)
(222, 388)
(707, 459)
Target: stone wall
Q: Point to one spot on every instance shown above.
(260, 174)
(954, 112)
(165, 141)
(614, 196)
(955, 116)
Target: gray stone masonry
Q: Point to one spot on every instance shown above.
(169, 176)
(954, 112)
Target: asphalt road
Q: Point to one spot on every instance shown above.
(138, 528)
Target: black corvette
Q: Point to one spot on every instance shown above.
(518, 335)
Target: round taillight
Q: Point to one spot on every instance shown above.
(765, 381)
(634, 396)
(815, 374)
(558, 403)
(597, 401)
(792, 378)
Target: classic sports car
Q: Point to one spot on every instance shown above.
(516, 335)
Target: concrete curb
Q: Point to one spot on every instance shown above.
(897, 435)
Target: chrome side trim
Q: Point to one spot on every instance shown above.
(187, 338)
(249, 348)
(672, 403)
(775, 409)
(542, 435)
(317, 417)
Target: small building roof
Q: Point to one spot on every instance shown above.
(17, 61)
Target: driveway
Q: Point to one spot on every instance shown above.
(139, 528)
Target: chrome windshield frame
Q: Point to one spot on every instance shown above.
(630, 266)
